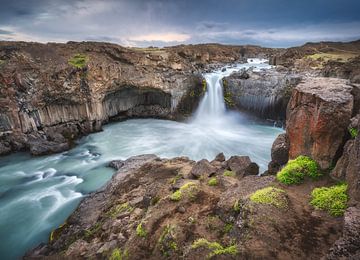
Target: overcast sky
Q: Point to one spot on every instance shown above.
(274, 23)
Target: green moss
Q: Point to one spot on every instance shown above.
(270, 195)
(229, 173)
(215, 248)
(228, 227)
(117, 254)
(332, 199)
(354, 132)
(189, 189)
(167, 243)
(237, 206)
(192, 93)
(116, 210)
(78, 61)
(204, 85)
(140, 231)
(55, 234)
(296, 170)
(213, 181)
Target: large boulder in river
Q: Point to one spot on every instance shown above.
(318, 115)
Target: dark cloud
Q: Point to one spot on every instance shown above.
(165, 22)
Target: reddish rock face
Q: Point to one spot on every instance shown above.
(318, 114)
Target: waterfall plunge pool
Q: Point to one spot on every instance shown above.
(37, 194)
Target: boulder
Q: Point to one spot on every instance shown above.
(318, 115)
(279, 154)
(243, 166)
(116, 164)
(203, 168)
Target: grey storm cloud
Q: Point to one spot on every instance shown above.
(169, 22)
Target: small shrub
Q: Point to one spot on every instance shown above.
(78, 61)
(140, 231)
(189, 189)
(229, 173)
(354, 132)
(270, 195)
(117, 254)
(228, 227)
(237, 206)
(331, 199)
(295, 170)
(215, 248)
(213, 182)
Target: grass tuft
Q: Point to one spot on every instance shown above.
(354, 132)
(271, 196)
(331, 199)
(78, 61)
(117, 254)
(189, 189)
(215, 248)
(213, 181)
(296, 170)
(140, 231)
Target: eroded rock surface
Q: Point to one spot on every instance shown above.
(318, 115)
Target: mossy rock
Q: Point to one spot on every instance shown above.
(215, 248)
(189, 190)
(213, 181)
(331, 199)
(271, 196)
(78, 61)
(296, 170)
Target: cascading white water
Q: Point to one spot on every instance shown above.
(38, 193)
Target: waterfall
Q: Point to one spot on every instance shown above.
(212, 106)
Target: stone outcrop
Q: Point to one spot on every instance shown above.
(279, 153)
(153, 209)
(318, 115)
(264, 93)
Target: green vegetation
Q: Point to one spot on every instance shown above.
(175, 179)
(295, 171)
(167, 243)
(78, 61)
(189, 189)
(140, 231)
(332, 199)
(228, 227)
(154, 200)
(117, 254)
(89, 233)
(192, 93)
(204, 85)
(229, 173)
(354, 132)
(56, 232)
(213, 181)
(237, 206)
(116, 210)
(335, 56)
(215, 248)
(270, 195)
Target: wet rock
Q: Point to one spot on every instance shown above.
(43, 147)
(279, 154)
(318, 115)
(116, 164)
(243, 166)
(263, 93)
(203, 169)
(4, 149)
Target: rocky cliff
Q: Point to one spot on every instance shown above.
(265, 93)
(50, 94)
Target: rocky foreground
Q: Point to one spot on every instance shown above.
(177, 208)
